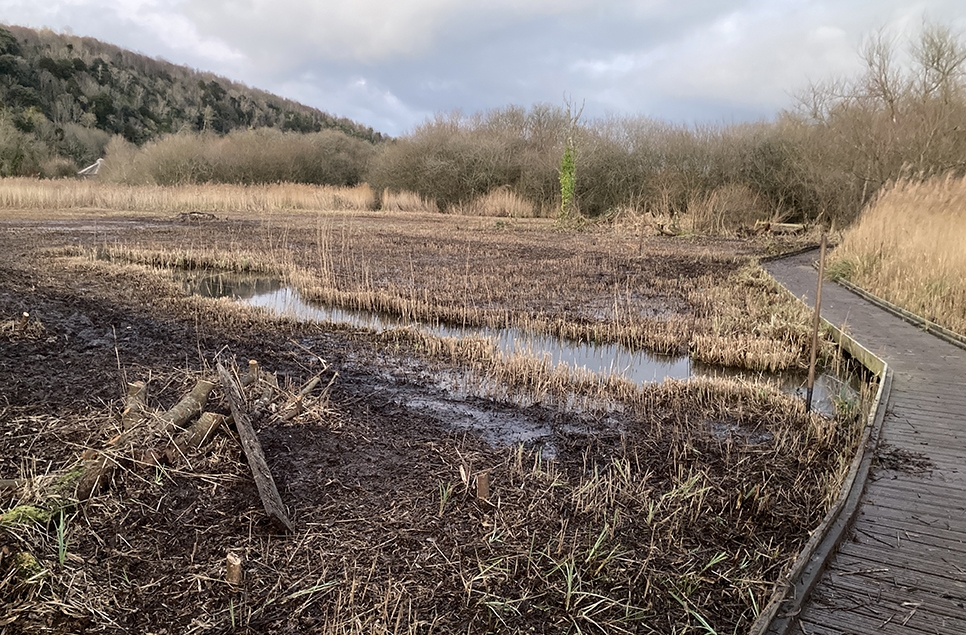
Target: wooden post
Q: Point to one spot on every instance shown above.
(483, 485)
(233, 568)
(815, 322)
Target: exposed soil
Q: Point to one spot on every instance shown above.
(388, 537)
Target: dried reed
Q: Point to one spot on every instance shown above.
(907, 247)
(35, 194)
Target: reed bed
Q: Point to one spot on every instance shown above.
(406, 202)
(73, 194)
(501, 203)
(679, 523)
(908, 247)
(669, 298)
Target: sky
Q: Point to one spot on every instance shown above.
(391, 64)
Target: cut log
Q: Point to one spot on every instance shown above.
(267, 490)
(190, 406)
(196, 436)
(135, 406)
(99, 466)
(778, 228)
(98, 470)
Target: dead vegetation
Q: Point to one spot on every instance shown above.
(666, 508)
(907, 247)
(645, 294)
(680, 521)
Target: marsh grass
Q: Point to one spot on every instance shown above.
(501, 203)
(908, 247)
(671, 526)
(406, 202)
(593, 288)
(73, 194)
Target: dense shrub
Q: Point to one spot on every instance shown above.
(254, 156)
(821, 162)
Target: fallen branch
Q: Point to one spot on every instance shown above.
(267, 490)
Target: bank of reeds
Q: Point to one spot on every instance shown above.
(74, 194)
(909, 247)
(501, 202)
(35, 194)
(741, 320)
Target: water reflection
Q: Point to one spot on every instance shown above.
(636, 366)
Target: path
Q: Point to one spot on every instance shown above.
(902, 566)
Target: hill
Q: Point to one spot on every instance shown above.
(63, 97)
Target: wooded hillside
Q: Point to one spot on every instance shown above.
(62, 97)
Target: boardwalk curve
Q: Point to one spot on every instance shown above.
(900, 567)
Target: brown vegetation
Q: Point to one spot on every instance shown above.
(74, 196)
(908, 247)
(666, 507)
(642, 293)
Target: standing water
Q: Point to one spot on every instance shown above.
(606, 359)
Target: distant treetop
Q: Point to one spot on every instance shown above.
(53, 83)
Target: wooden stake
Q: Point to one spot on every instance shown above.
(483, 485)
(815, 322)
(233, 569)
(252, 375)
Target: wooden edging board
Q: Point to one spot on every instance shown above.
(791, 592)
(941, 332)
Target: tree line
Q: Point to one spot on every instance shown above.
(62, 99)
(903, 116)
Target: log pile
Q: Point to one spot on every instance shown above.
(778, 229)
(144, 437)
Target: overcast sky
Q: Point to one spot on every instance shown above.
(391, 64)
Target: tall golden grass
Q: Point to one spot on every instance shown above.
(909, 247)
(72, 194)
(35, 194)
(500, 202)
(406, 202)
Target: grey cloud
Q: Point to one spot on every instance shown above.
(391, 63)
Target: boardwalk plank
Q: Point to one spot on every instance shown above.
(913, 524)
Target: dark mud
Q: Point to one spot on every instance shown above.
(388, 538)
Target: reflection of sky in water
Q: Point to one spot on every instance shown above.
(636, 366)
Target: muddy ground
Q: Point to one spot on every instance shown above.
(363, 477)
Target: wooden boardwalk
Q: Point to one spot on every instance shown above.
(902, 566)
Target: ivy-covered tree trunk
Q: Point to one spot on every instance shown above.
(568, 180)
